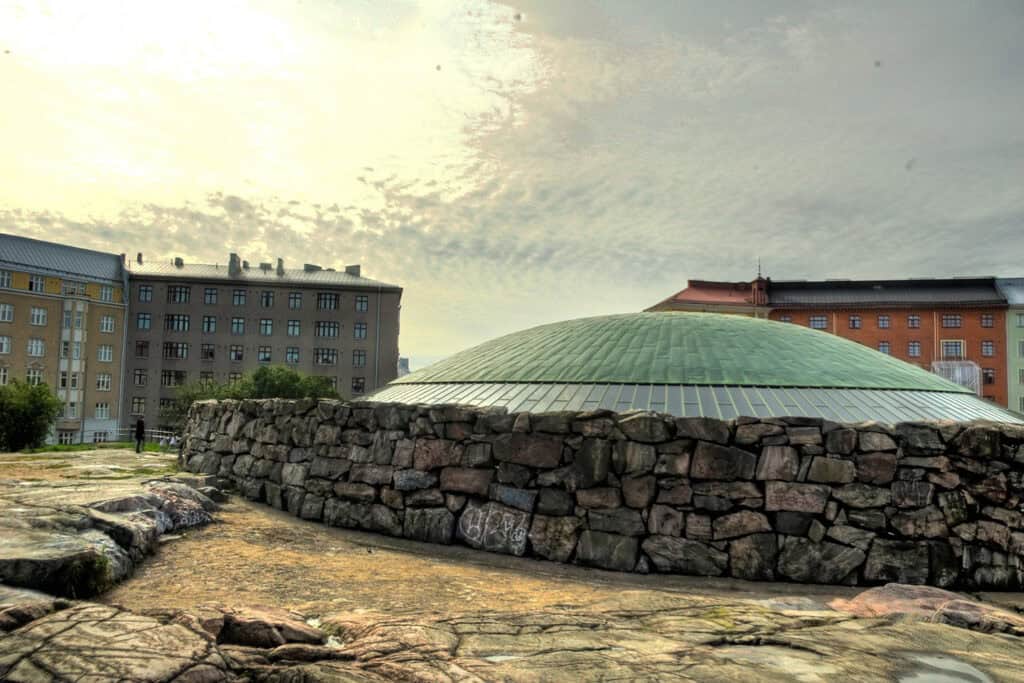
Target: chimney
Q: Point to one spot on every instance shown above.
(178, 262)
(759, 292)
(352, 270)
(138, 258)
(234, 265)
(245, 265)
(280, 267)
(310, 267)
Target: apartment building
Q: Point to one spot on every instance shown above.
(1013, 290)
(956, 327)
(62, 314)
(215, 322)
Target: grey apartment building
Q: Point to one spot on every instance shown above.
(215, 322)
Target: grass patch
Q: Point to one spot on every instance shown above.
(74, 447)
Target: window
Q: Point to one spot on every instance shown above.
(914, 349)
(210, 296)
(238, 297)
(36, 283)
(105, 353)
(69, 288)
(6, 313)
(988, 348)
(76, 350)
(107, 324)
(1020, 349)
(854, 322)
(166, 404)
(785, 318)
(173, 378)
(36, 347)
(238, 326)
(1020, 320)
(291, 354)
(1021, 406)
(326, 301)
(106, 293)
(914, 322)
(988, 320)
(143, 321)
(988, 375)
(103, 381)
(138, 405)
(102, 411)
(358, 385)
(63, 381)
(819, 322)
(67, 320)
(326, 328)
(1020, 378)
(207, 352)
(362, 303)
(5, 279)
(5, 344)
(37, 316)
(883, 322)
(3, 376)
(99, 437)
(74, 380)
(236, 353)
(952, 350)
(359, 331)
(325, 356)
(177, 322)
(140, 378)
(78, 320)
(266, 299)
(178, 294)
(34, 376)
(206, 377)
(175, 350)
(263, 354)
(294, 328)
(951, 320)
(145, 293)
(883, 346)
(72, 410)
(65, 438)
(295, 300)
(266, 327)
(142, 349)
(209, 324)
(234, 377)
(359, 358)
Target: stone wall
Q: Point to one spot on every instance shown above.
(795, 499)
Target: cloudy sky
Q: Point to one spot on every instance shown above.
(511, 164)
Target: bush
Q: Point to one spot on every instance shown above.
(26, 413)
(266, 382)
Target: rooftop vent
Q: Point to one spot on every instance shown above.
(178, 262)
(138, 258)
(265, 266)
(280, 267)
(352, 270)
(234, 265)
(311, 267)
(245, 265)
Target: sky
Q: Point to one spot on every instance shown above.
(512, 164)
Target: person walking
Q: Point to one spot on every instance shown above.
(140, 434)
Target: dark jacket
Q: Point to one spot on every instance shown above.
(140, 430)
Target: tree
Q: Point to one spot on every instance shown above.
(26, 413)
(266, 382)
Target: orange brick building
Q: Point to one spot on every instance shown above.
(944, 325)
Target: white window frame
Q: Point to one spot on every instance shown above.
(35, 344)
(5, 344)
(107, 324)
(106, 293)
(4, 375)
(36, 283)
(6, 313)
(103, 381)
(34, 376)
(37, 316)
(105, 353)
(5, 279)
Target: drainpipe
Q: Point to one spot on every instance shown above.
(376, 355)
(126, 298)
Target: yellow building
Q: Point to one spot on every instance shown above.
(62, 323)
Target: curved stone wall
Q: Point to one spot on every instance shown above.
(797, 499)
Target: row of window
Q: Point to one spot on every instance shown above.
(37, 349)
(68, 380)
(182, 294)
(37, 283)
(101, 411)
(38, 316)
(952, 349)
(884, 322)
(182, 322)
(236, 353)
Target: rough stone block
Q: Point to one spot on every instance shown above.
(607, 551)
(526, 449)
(672, 464)
(926, 522)
(494, 527)
(796, 497)
(684, 556)
(593, 462)
(555, 502)
(466, 480)
(862, 495)
(842, 441)
(831, 471)
(751, 434)
(793, 523)
(805, 561)
(897, 561)
(876, 468)
(329, 468)
(851, 535)
(424, 498)
(778, 463)
(554, 538)
(740, 524)
(413, 480)
(912, 494)
(665, 521)
(431, 525)
(703, 429)
(477, 455)
(619, 521)
(355, 491)
(675, 492)
(645, 428)
(804, 436)
(521, 499)
(605, 497)
(867, 519)
(876, 441)
(723, 463)
(698, 527)
(515, 475)
(753, 557)
(638, 492)
(634, 458)
(429, 454)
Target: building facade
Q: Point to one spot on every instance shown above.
(956, 327)
(1013, 290)
(191, 322)
(62, 323)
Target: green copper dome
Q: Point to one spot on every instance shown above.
(684, 349)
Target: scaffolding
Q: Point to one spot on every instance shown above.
(964, 372)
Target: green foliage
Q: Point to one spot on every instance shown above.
(265, 382)
(26, 413)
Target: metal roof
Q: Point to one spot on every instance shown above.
(956, 292)
(255, 275)
(723, 402)
(1013, 289)
(680, 348)
(51, 257)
